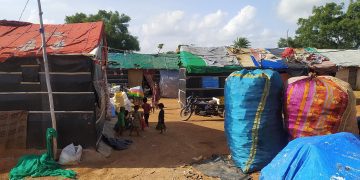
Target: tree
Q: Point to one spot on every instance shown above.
(289, 42)
(116, 28)
(330, 27)
(160, 46)
(241, 42)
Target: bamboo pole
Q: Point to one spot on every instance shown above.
(47, 77)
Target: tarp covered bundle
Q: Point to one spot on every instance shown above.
(253, 121)
(21, 39)
(334, 156)
(40, 166)
(136, 92)
(318, 106)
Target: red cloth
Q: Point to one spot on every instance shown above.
(289, 52)
(146, 107)
(19, 39)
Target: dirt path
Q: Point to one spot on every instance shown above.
(152, 155)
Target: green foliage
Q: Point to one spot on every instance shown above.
(241, 42)
(290, 42)
(329, 26)
(116, 28)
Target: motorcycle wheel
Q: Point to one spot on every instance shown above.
(222, 114)
(185, 114)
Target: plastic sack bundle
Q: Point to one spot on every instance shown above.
(319, 106)
(253, 120)
(39, 166)
(120, 99)
(70, 155)
(334, 156)
(136, 92)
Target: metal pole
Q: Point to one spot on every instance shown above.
(47, 76)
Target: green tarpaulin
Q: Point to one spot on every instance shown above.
(40, 165)
(143, 61)
(208, 60)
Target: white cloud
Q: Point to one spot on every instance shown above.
(292, 10)
(34, 18)
(164, 23)
(241, 21)
(214, 29)
(212, 20)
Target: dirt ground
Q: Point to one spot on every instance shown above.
(152, 155)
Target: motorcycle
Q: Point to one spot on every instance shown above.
(201, 108)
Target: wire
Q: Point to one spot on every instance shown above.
(22, 12)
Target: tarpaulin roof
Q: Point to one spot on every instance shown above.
(20, 39)
(143, 61)
(343, 58)
(226, 59)
(208, 59)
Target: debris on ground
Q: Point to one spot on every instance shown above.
(220, 166)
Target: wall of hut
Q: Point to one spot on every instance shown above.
(75, 81)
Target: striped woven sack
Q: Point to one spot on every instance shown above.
(318, 106)
(253, 119)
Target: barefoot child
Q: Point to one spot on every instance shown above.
(147, 108)
(136, 122)
(120, 124)
(161, 120)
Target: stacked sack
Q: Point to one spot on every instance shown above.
(253, 122)
(319, 106)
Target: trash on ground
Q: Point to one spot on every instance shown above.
(70, 155)
(221, 167)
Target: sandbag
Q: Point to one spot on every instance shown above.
(318, 106)
(70, 155)
(253, 119)
(334, 156)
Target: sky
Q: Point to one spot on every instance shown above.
(175, 22)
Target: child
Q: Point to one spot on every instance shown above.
(155, 97)
(120, 124)
(161, 120)
(147, 108)
(136, 122)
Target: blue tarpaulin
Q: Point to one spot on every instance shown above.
(210, 82)
(276, 64)
(335, 156)
(273, 64)
(253, 122)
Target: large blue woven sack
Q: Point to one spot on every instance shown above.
(253, 120)
(334, 156)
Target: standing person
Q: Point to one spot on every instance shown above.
(147, 108)
(161, 120)
(120, 124)
(136, 122)
(155, 97)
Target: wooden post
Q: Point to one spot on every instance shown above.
(47, 77)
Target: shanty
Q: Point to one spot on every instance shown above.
(187, 90)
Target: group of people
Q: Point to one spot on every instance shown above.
(137, 120)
